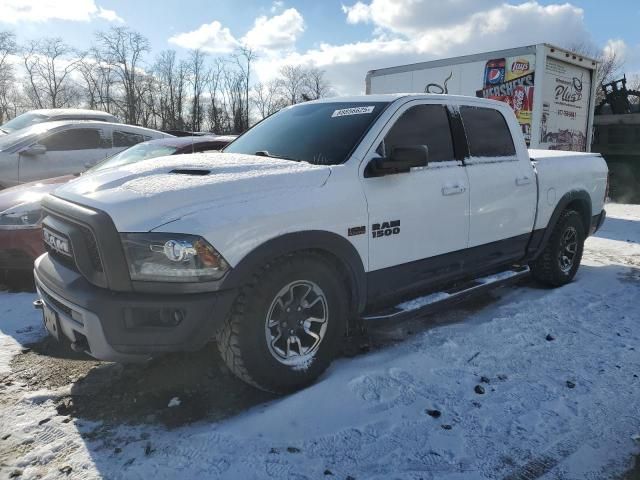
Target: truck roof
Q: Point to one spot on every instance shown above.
(571, 57)
(392, 97)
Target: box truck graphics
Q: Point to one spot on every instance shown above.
(565, 107)
(511, 80)
(550, 89)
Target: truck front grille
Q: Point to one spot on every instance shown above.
(92, 248)
(66, 260)
(84, 256)
(94, 238)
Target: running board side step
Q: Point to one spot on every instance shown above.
(432, 301)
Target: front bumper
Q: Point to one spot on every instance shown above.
(127, 326)
(19, 248)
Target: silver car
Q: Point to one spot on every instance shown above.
(53, 149)
(33, 117)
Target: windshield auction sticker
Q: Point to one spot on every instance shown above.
(352, 111)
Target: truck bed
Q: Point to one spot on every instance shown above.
(560, 172)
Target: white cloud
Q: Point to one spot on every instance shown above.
(618, 47)
(411, 16)
(15, 11)
(109, 15)
(277, 32)
(277, 6)
(357, 13)
(498, 27)
(210, 37)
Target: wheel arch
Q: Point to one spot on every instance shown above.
(335, 247)
(578, 200)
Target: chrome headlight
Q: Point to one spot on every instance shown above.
(25, 215)
(168, 257)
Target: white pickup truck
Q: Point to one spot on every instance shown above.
(323, 215)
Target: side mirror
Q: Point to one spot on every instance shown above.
(35, 149)
(401, 160)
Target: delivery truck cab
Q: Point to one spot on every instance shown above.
(551, 90)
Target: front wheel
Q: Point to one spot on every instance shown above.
(285, 327)
(560, 260)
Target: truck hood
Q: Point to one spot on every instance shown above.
(144, 195)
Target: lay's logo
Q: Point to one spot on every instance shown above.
(520, 66)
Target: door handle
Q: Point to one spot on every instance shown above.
(453, 189)
(523, 181)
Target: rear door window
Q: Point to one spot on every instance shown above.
(74, 139)
(422, 125)
(488, 134)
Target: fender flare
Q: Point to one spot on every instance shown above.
(563, 203)
(319, 240)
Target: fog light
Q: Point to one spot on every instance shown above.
(153, 317)
(177, 316)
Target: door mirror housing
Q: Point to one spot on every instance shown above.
(401, 160)
(35, 149)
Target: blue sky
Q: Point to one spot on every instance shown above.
(346, 38)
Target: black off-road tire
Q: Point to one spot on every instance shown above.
(242, 340)
(547, 267)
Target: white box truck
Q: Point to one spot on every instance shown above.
(551, 90)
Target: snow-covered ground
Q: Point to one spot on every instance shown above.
(561, 396)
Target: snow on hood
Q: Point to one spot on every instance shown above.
(143, 195)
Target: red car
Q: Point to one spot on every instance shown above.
(21, 213)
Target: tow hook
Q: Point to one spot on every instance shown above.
(38, 304)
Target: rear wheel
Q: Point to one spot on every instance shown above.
(285, 327)
(560, 260)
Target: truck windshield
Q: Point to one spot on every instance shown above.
(318, 133)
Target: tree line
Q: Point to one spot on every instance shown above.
(117, 75)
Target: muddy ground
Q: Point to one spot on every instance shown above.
(140, 393)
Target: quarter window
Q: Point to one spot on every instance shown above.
(76, 139)
(422, 125)
(126, 139)
(487, 132)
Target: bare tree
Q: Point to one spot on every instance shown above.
(293, 80)
(49, 64)
(244, 58)
(8, 48)
(315, 84)
(123, 49)
(234, 93)
(148, 107)
(99, 80)
(268, 97)
(197, 79)
(217, 111)
(171, 75)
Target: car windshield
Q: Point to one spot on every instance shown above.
(137, 153)
(25, 135)
(23, 121)
(318, 133)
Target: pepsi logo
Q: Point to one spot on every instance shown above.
(494, 75)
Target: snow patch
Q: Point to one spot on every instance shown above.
(367, 417)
